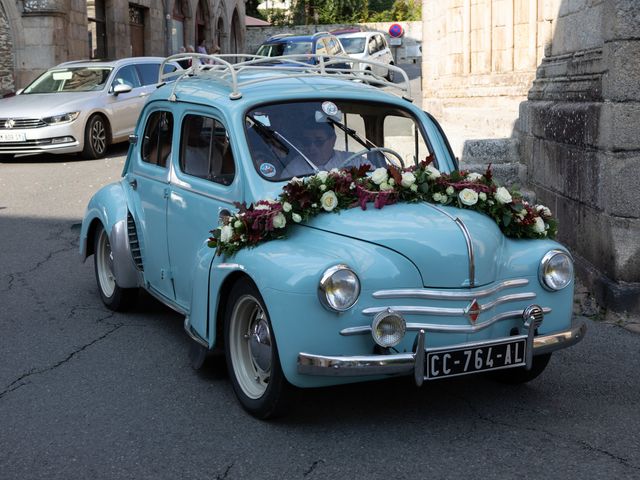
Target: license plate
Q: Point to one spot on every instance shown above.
(13, 136)
(463, 360)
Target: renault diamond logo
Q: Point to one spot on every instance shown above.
(9, 123)
(472, 311)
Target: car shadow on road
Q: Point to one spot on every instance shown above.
(116, 150)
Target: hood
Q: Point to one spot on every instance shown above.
(38, 105)
(429, 237)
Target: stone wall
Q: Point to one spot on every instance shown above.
(580, 141)
(407, 52)
(6, 54)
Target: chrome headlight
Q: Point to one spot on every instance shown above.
(339, 288)
(556, 270)
(58, 119)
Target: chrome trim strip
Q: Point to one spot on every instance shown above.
(467, 239)
(230, 266)
(472, 261)
(406, 363)
(436, 327)
(414, 310)
(193, 335)
(162, 299)
(445, 295)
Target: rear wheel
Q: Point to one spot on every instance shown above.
(113, 296)
(519, 375)
(95, 138)
(252, 354)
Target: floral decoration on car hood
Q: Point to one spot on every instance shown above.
(337, 190)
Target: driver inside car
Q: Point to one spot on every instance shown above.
(318, 145)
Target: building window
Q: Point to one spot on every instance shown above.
(96, 29)
(177, 27)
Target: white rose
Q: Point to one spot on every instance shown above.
(437, 197)
(503, 196)
(334, 170)
(482, 196)
(329, 201)
(414, 188)
(543, 211)
(296, 218)
(322, 176)
(539, 226)
(279, 221)
(323, 187)
(226, 233)
(450, 191)
(408, 179)
(295, 180)
(432, 172)
(468, 197)
(474, 176)
(379, 175)
(286, 206)
(262, 206)
(385, 186)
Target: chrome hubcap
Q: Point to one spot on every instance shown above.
(104, 258)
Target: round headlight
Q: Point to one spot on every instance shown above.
(339, 288)
(556, 270)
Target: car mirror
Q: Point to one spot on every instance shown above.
(122, 88)
(133, 139)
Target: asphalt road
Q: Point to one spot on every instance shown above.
(87, 393)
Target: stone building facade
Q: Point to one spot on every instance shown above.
(37, 34)
(554, 84)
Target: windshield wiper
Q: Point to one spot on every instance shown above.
(365, 142)
(276, 137)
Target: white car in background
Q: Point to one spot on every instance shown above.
(81, 106)
(369, 46)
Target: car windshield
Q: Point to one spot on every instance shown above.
(72, 79)
(353, 45)
(285, 48)
(329, 134)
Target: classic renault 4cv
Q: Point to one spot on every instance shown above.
(315, 226)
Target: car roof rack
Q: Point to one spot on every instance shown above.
(225, 69)
(280, 35)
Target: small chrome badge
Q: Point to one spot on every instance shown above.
(473, 311)
(9, 123)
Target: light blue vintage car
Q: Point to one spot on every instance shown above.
(431, 289)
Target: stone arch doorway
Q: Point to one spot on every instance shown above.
(179, 27)
(202, 22)
(235, 37)
(7, 84)
(220, 33)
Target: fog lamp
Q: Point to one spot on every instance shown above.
(388, 328)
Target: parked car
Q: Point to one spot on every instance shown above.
(81, 106)
(369, 46)
(222, 213)
(320, 44)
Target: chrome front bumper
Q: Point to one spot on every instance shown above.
(413, 363)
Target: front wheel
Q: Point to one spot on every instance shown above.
(95, 138)
(515, 376)
(252, 354)
(113, 296)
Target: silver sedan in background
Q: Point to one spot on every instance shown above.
(81, 106)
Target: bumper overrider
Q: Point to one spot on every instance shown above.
(415, 363)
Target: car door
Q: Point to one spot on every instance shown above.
(204, 184)
(125, 107)
(148, 183)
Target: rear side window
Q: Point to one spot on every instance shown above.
(148, 73)
(205, 151)
(127, 76)
(158, 133)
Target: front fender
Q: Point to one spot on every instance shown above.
(108, 207)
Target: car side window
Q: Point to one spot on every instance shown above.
(148, 73)
(382, 42)
(321, 47)
(127, 76)
(372, 46)
(158, 133)
(333, 46)
(205, 150)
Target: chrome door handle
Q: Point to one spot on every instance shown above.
(133, 183)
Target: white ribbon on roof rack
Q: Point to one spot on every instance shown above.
(223, 69)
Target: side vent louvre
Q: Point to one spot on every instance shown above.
(134, 245)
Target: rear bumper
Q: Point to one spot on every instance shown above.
(413, 363)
